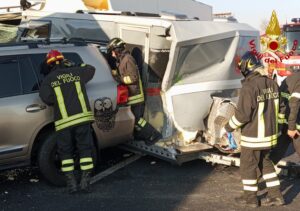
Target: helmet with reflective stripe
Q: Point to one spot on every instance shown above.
(116, 43)
(249, 62)
(53, 56)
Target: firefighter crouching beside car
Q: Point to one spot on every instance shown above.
(289, 116)
(256, 115)
(64, 89)
(127, 73)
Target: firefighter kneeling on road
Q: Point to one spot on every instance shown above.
(64, 89)
(256, 115)
(127, 73)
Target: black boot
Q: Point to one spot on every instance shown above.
(155, 137)
(247, 200)
(71, 182)
(273, 201)
(85, 181)
(274, 198)
(147, 133)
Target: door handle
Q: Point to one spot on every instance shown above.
(35, 108)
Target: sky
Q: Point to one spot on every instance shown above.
(254, 12)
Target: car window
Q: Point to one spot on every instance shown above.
(28, 78)
(10, 83)
(74, 57)
(21, 74)
(37, 59)
(194, 58)
(38, 29)
(158, 60)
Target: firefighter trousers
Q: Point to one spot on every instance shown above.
(253, 161)
(283, 144)
(79, 138)
(144, 130)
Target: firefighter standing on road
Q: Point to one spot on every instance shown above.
(256, 114)
(289, 116)
(64, 89)
(127, 73)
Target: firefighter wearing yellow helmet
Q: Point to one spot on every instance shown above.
(257, 115)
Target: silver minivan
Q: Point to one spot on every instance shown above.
(26, 124)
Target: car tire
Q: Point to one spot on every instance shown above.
(50, 164)
(48, 161)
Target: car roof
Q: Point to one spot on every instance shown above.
(41, 44)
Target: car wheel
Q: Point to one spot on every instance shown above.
(50, 164)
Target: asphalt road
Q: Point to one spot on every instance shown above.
(146, 184)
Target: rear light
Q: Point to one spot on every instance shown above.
(122, 94)
(284, 73)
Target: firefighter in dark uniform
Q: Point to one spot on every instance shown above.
(289, 116)
(25, 4)
(64, 89)
(256, 115)
(127, 73)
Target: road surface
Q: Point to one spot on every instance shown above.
(146, 184)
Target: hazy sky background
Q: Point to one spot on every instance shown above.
(254, 12)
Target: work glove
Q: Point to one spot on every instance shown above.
(68, 63)
(232, 143)
(45, 68)
(293, 133)
(114, 72)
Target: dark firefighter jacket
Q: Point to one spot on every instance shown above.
(290, 101)
(64, 88)
(128, 74)
(257, 112)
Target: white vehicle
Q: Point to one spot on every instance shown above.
(192, 8)
(184, 63)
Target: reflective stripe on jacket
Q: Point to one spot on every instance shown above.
(64, 88)
(129, 76)
(257, 112)
(290, 101)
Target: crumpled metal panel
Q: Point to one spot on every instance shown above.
(202, 64)
(220, 113)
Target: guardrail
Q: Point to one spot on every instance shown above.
(18, 8)
(10, 15)
(8, 9)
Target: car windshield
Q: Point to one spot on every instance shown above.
(205, 61)
(8, 33)
(194, 58)
(291, 37)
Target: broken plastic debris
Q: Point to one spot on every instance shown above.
(172, 150)
(11, 178)
(153, 163)
(33, 180)
(5, 192)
